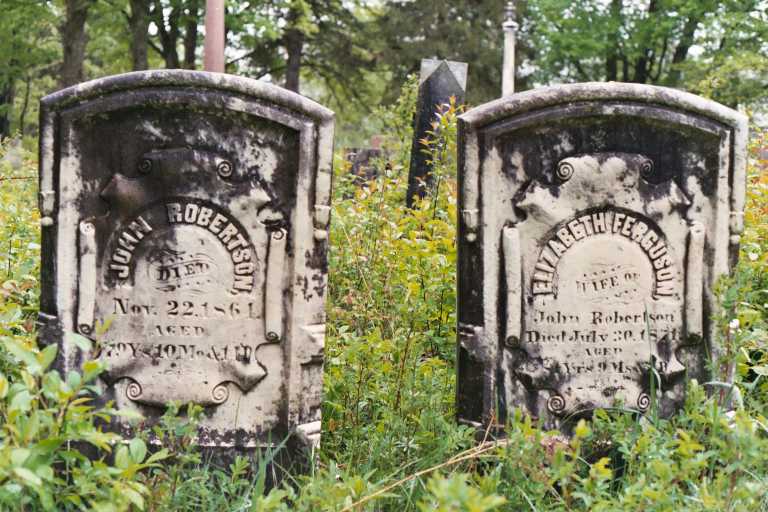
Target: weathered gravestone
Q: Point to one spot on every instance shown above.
(439, 81)
(595, 220)
(363, 164)
(188, 212)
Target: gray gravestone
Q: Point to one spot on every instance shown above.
(595, 221)
(439, 81)
(188, 212)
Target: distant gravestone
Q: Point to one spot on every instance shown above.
(363, 161)
(186, 214)
(439, 81)
(595, 220)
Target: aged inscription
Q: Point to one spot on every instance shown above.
(179, 297)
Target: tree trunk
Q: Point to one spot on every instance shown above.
(139, 26)
(25, 104)
(6, 103)
(169, 35)
(73, 41)
(681, 52)
(643, 63)
(190, 34)
(612, 61)
(294, 45)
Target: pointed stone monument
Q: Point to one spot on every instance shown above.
(440, 80)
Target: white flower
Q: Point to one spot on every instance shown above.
(753, 256)
(734, 324)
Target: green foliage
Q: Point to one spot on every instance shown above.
(744, 315)
(404, 32)
(454, 493)
(709, 47)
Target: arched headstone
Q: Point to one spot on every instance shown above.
(595, 221)
(185, 221)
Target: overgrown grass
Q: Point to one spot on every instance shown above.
(390, 441)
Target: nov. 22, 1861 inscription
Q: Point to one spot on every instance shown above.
(595, 220)
(185, 215)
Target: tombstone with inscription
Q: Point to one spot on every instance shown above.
(185, 221)
(595, 221)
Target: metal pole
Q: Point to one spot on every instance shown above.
(213, 55)
(508, 69)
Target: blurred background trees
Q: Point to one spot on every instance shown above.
(355, 54)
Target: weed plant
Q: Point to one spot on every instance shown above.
(390, 440)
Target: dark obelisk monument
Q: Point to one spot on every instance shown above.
(439, 81)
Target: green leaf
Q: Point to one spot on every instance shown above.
(138, 450)
(45, 472)
(31, 426)
(21, 401)
(158, 456)
(24, 354)
(19, 456)
(74, 379)
(46, 499)
(91, 369)
(135, 498)
(122, 458)
(127, 414)
(79, 341)
(3, 387)
(103, 327)
(47, 356)
(28, 476)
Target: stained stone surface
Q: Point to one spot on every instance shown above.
(595, 220)
(185, 221)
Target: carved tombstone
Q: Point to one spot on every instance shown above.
(185, 215)
(595, 220)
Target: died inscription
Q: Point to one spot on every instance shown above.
(179, 297)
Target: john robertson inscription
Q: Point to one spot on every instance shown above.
(595, 219)
(185, 233)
